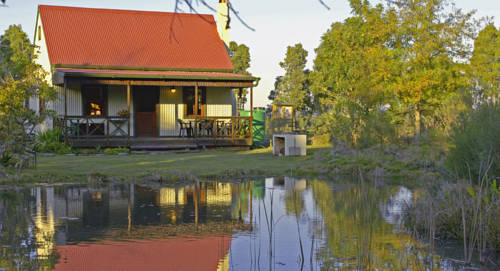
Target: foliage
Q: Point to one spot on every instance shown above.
(240, 58)
(7, 160)
(115, 151)
(293, 85)
(22, 80)
(351, 72)
(378, 130)
(16, 53)
(405, 58)
(51, 141)
(485, 65)
(275, 92)
(429, 43)
(475, 139)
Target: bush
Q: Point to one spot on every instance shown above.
(7, 160)
(476, 141)
(115, 151)
(377, 130)
(51, 142)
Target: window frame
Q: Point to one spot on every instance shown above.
(86, 111)
(202, 96)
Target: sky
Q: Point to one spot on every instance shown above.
(276, 23)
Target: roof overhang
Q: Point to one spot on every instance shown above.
(152, 77)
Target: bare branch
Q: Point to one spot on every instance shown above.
(238, 16)
(324, 4)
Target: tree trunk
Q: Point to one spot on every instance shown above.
(418, 122)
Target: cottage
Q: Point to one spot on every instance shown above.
(141, 79)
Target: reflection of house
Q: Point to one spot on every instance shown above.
(287, 183)
(68, 215)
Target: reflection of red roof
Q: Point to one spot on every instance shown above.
(126, 38)
(166, 254)
(155, 74)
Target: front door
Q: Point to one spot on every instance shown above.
(146, 99)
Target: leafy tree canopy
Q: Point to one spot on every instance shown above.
(293, 85)
(21, 80)
(485, 63)
(240, 58)
(16, 51)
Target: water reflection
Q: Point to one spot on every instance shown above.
(271, 224)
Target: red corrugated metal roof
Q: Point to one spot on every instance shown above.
(126, 38)
(154, 74)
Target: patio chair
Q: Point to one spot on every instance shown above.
(185, 129)
(206, 127)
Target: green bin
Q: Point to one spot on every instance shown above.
(259, 125)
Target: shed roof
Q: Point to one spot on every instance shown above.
(138, 39)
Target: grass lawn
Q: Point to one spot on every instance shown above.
(205, 164)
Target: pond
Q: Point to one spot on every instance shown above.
(269, 224)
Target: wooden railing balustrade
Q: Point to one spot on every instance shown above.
(223, 127)
(88, 127)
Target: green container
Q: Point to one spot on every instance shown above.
(259, 125)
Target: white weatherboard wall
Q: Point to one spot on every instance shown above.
(42, 60)
(171, 109)
(74, 107)
(41, 45)
(74, 100)
(117, 101)
(220, 102)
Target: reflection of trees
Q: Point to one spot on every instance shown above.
(18, 235)
(356, 235)
(294, 203)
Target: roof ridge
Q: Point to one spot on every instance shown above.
(131, 11)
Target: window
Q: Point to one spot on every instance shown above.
(94, 100)
(188, 97)
(39, 32)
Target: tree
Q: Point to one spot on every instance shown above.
(485, 64)
(430, 43)
(293, 86)
(240, 58)
(16, 51)
(275, 92)
(352, 71)
(405, 59)
(21, 80)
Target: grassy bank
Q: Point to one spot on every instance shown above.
(377, 163)
(210, 164)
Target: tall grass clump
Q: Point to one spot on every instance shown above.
(51, 141)
(467, 208)
(475, 139)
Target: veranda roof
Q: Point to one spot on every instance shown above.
(145, 74)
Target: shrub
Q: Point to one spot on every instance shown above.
(115, 151)
(7, 159)
(51, 142)
(475, 141)
(377, 130)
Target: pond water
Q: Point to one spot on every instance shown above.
(269, 224)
